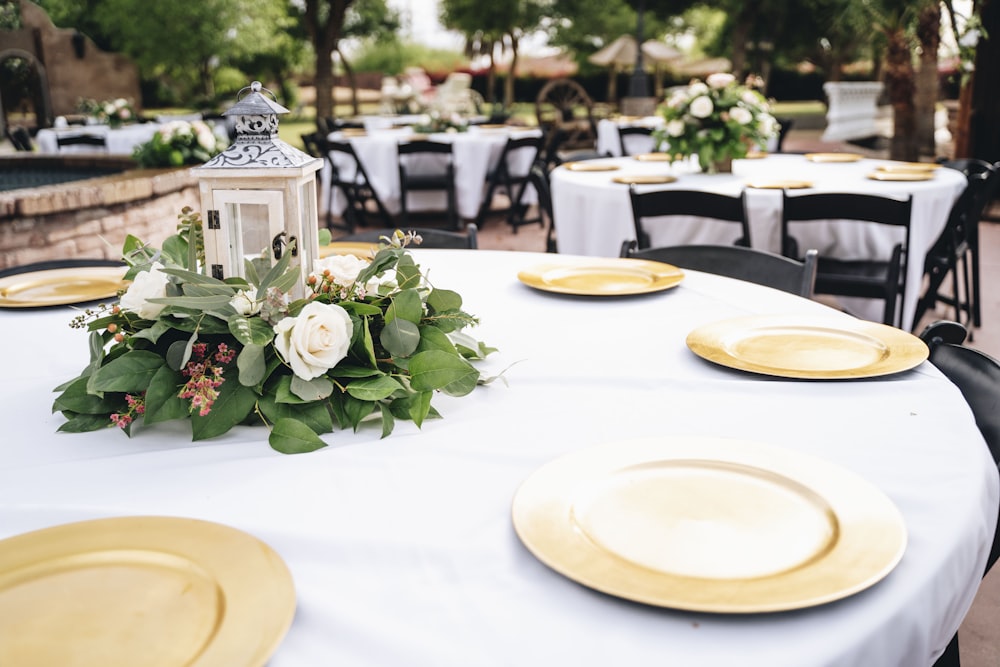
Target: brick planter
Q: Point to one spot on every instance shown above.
(90, 218)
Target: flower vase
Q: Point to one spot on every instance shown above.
(723, 166)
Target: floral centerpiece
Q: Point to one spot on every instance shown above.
(179, 142)
(370, 340)
(441, 122)
(717, 120)
(115, 112)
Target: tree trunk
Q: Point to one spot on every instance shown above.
(353, 79)
(899, 81)
(984, 121)
(508, 84)
(929, 34)
(741, 36)
(325, 36)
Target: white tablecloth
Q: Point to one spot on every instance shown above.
(593, 215)
(609, 143)
(402, 549)
(120, 141)
(475, 152)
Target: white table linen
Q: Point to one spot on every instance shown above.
(475, 152)
(593, 215)
(609, 143)
(119, 141)
(402, 550)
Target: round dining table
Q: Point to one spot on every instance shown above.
(593, 215)
(403, 550)
(474, 153)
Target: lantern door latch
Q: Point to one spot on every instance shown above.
(278, 243)
(213, 219)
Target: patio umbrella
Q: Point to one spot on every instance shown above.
(620, 54)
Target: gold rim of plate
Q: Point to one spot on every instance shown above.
(833, 157)
(61, 287)
(590, 166)
(653, 157)
(901, 175)
(909, 167)
(612, 277)
(108, 588)
(756, 155)
(813, 348)
(780, 185)
(709, 524)
(644, 179)
(361, 249)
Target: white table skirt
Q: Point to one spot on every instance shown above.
(593, 215)
(402, 549)
(475, 152)
(119, 141)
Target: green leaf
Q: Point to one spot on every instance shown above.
(76, 399)
(314, 415)
(162, 401)
(400, 337)
(283, 391)
(130, 373)
(251, 364)
(432, 338)
(407, 272)
(360, 308)
(347, 371)
(355, 410)
(196, 303)
(450, 373)
(373, 389)
(179, 352)
(405, 305)
(442, 299)
(315, 389)
(293, 437)
(85, 423)
(231, 407)
(153, 333)
(420, 405)
(369, 344)
(388, 421)
(251, 330)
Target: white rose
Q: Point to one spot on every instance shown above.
(701, 107)
(675, 128)
(697, 88)
(720, 80)
(316, 340)
(750, 98)
(244, 303)
(146, 285)
(206, 139)
(740, 115)
(344, 269)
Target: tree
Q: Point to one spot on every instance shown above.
(324, 23)
(984, 126)
(188, 40)
(929, 38)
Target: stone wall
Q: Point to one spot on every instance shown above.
(91, 218)
(97, 74)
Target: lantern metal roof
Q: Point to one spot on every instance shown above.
(257, 143)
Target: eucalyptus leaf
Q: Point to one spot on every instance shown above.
(442, 300)
(400, 337)
(405, 305)
(373, 389)
(289, 436)
(252, 365)
(388, 421)
(435, 369)
(179, 352)
(315, 389)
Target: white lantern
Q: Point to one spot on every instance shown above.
(258, 197)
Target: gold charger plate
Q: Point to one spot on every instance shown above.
(653, 157)
(151, 591)
(901, 175)
(780, 185)
(590, 166)
(58, 287)
(808, 347)
(709, 524)
(908, 167)
(756, 155)
(356, 248)
(611, 277)
(833, 157)
(644, 179)
(353, 132)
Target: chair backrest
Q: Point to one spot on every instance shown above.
(528, 146)
(755, 266)
(786, 126)
(312, 142)
(20, 138)
(82, 139)
(691, 203)
(59, 264)
(430, 238)
(539, 179)
(842, 206)
(408, 149)
(633, 131)
(984, 180)
(977, 376)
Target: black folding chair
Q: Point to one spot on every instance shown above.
(412, 178)
(95, 140)
(689, 203)
(429, 238)
(348, 175)
(513, 181)
(627, 132)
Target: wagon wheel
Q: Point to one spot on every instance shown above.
(555, 108)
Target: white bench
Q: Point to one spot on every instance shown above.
(853, 108)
